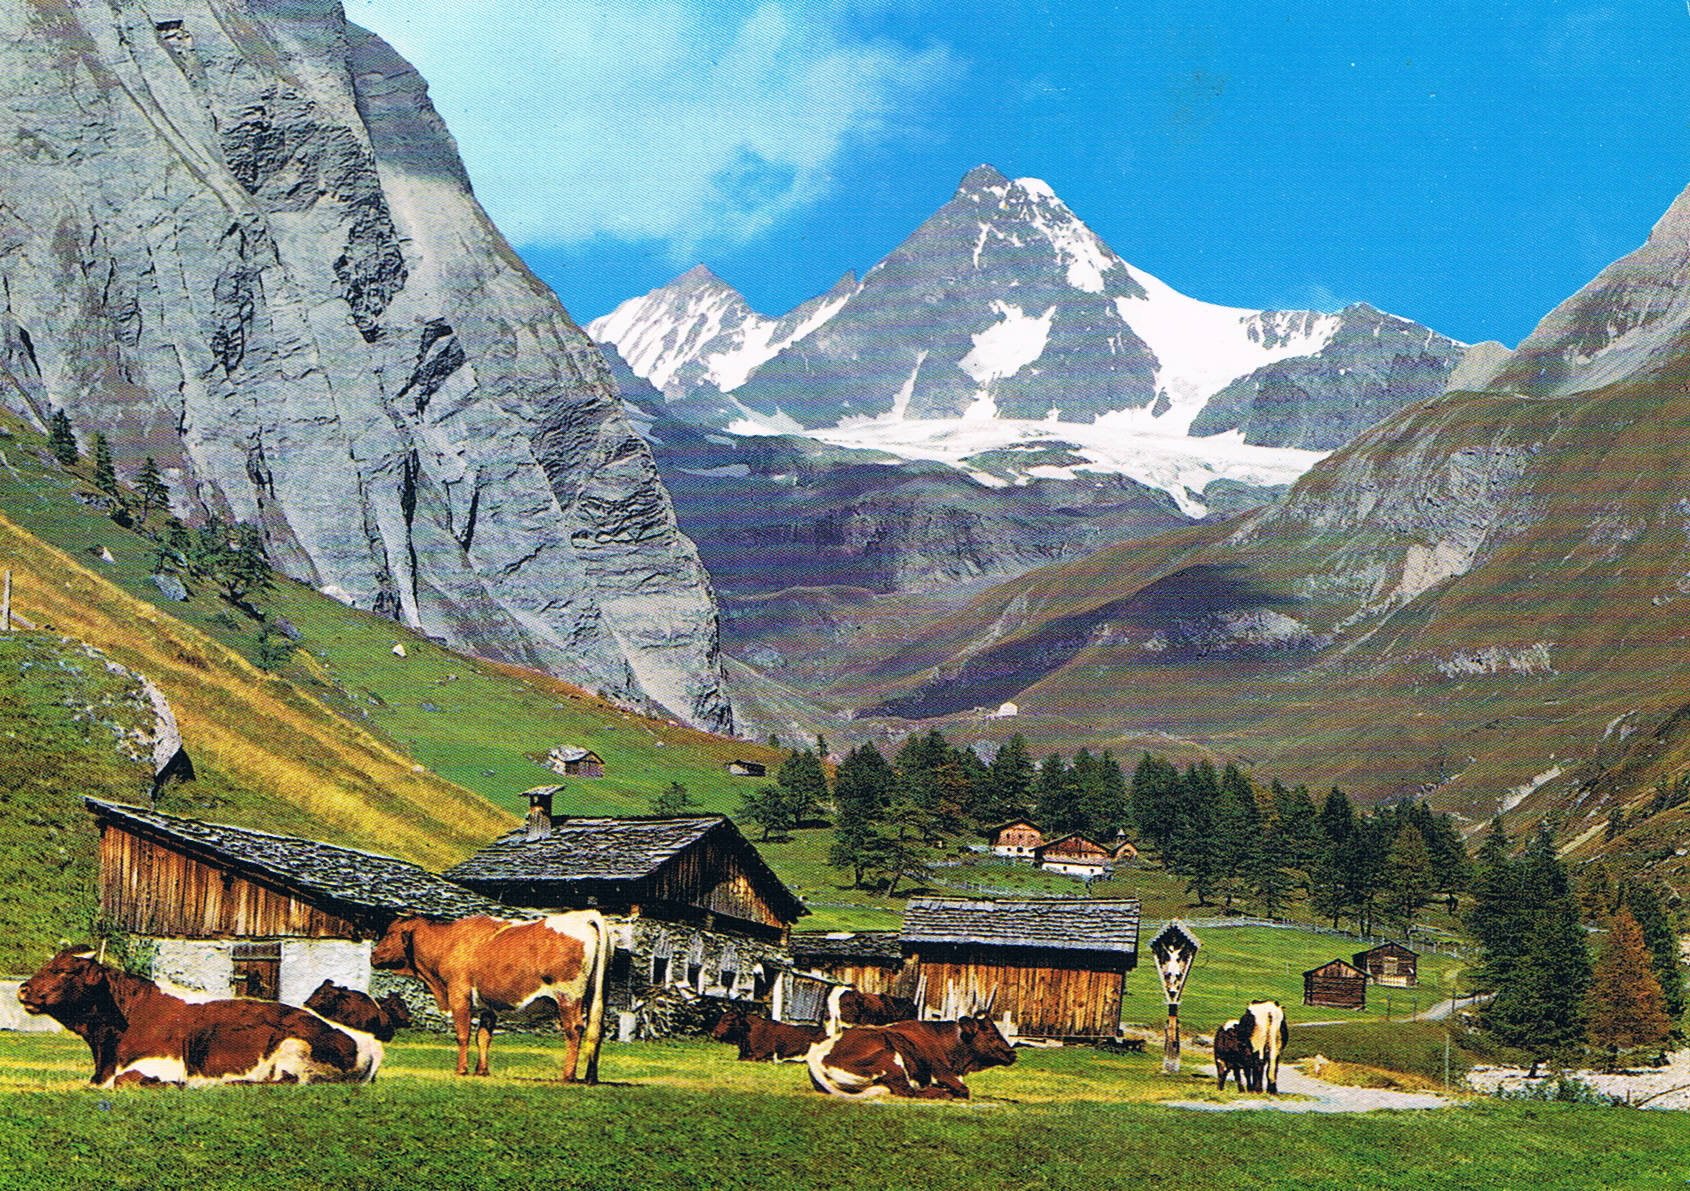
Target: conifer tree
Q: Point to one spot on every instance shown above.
(1644, 901)
(803, 783)
(61, 439)
(1053, 797)
(674, 800)
(1007, 792)
(105, 474)
(1155, 801)
(1407, 876)
(1626, 1007)
(862, 790)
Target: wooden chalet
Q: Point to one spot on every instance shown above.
(575, 762)
(1018, 838)
(742, 768)
(694, 903)
(1075, 855)
(231, 911)
(1390, 964)
(1058, 966)
(1125, 851)
(869, 960)
(1335, 984)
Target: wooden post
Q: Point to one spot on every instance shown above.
(1170, 1041)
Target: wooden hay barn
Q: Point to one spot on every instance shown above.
(1017, 838)
(575, 762)
(1075, 855)
(742, 768)
(693, 902)
(1057, 965)
(234, 912)
(871, 961)
(1390, 964)
(1335, 984)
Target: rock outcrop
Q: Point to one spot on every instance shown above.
(237, 237)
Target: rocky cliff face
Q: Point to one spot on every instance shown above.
(236, 236)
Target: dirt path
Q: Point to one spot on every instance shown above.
(1322, 1097)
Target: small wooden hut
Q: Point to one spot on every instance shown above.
(1017, 838)
(1335, 984)
(694, 903)
(871, 961)
(1390, 964)
(740, 767)
(572, 761)
(1057, 966)
(1075, 855)
(235, 912)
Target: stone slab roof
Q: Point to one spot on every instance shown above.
(836, 946)
(363, 880)
(1060, 924)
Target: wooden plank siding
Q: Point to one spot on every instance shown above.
(147, 888)
(868, 977)
(1048, 994)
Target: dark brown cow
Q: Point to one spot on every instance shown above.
(86, 1010)
(162, 1039)
(493, 964)
(908, 1058)
(763, 1040)
(1234, 1057)
(349, 1007)
(848, 1007)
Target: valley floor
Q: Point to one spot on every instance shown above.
(687, 1114)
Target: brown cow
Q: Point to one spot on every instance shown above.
(762, 1040)
(1234, 1057)
(162, 1039)
(497, 964)
(909, 1058)
(848, 1007)
(86, 1010)
(349, 1007)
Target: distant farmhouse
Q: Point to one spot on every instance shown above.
(1390, 964)
(692, 901)
(1075, 855)
(1335, 984)
(1017, 838)
(571, 761)
(742, 768)
(234, 912)
(1056, 967)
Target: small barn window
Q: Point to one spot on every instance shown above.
(762, 982)
(258, 970)
(730, 968)
(660, 960)
(695, 965)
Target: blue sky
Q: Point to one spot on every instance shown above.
(1467, 165)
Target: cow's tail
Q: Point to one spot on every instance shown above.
(835, 1023)
(595, 1010)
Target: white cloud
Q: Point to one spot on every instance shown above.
(676, 121)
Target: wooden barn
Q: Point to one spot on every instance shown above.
(743, 768)
(1335, 984)
(693, 902)
(1390, 964)
(571, 761)
(869, 960)
(235, 912)
(1017, 838)
(1058, 966)
(1075, 855)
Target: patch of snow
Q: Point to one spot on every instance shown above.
(1520, 793)
(1087, 258)
(752, 424)
(736, 471)
(901, 400)
(1531, 660)
(1006, 711)
(1009, 345)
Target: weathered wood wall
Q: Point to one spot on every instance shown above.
(1049, 994)
(1335, 992)
(712, 878)
(864, 976)
(150, 889)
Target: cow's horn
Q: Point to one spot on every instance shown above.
(102, 958)
(990, 1001)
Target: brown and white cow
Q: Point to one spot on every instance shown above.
(496, 964)
(162, 1039)
(908, 1058)
(349, 1007)
(761, 1040)
(848, 1007)
(1263, 1027)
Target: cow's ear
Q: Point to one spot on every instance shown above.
(968, 1026)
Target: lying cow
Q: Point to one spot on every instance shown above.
(1234, 1057)
(162, 1039)
(494, 964)
(762, 1040)
(1263, 1028)
(349, 1007)
(848, 1007)
(909, 1058)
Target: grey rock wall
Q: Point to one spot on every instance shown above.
(236, 236)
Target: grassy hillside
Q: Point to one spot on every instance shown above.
(688, 1114)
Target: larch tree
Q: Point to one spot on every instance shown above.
(1626, 1007)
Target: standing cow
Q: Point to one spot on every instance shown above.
(494, 964)
(157, 1038)
(924, 1059)
(1263, 1029)
(1233, 1056)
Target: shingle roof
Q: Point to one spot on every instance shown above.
(609, 849)
(1337, 969)
(843, 945)
(1065, 924)
(362, 880)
